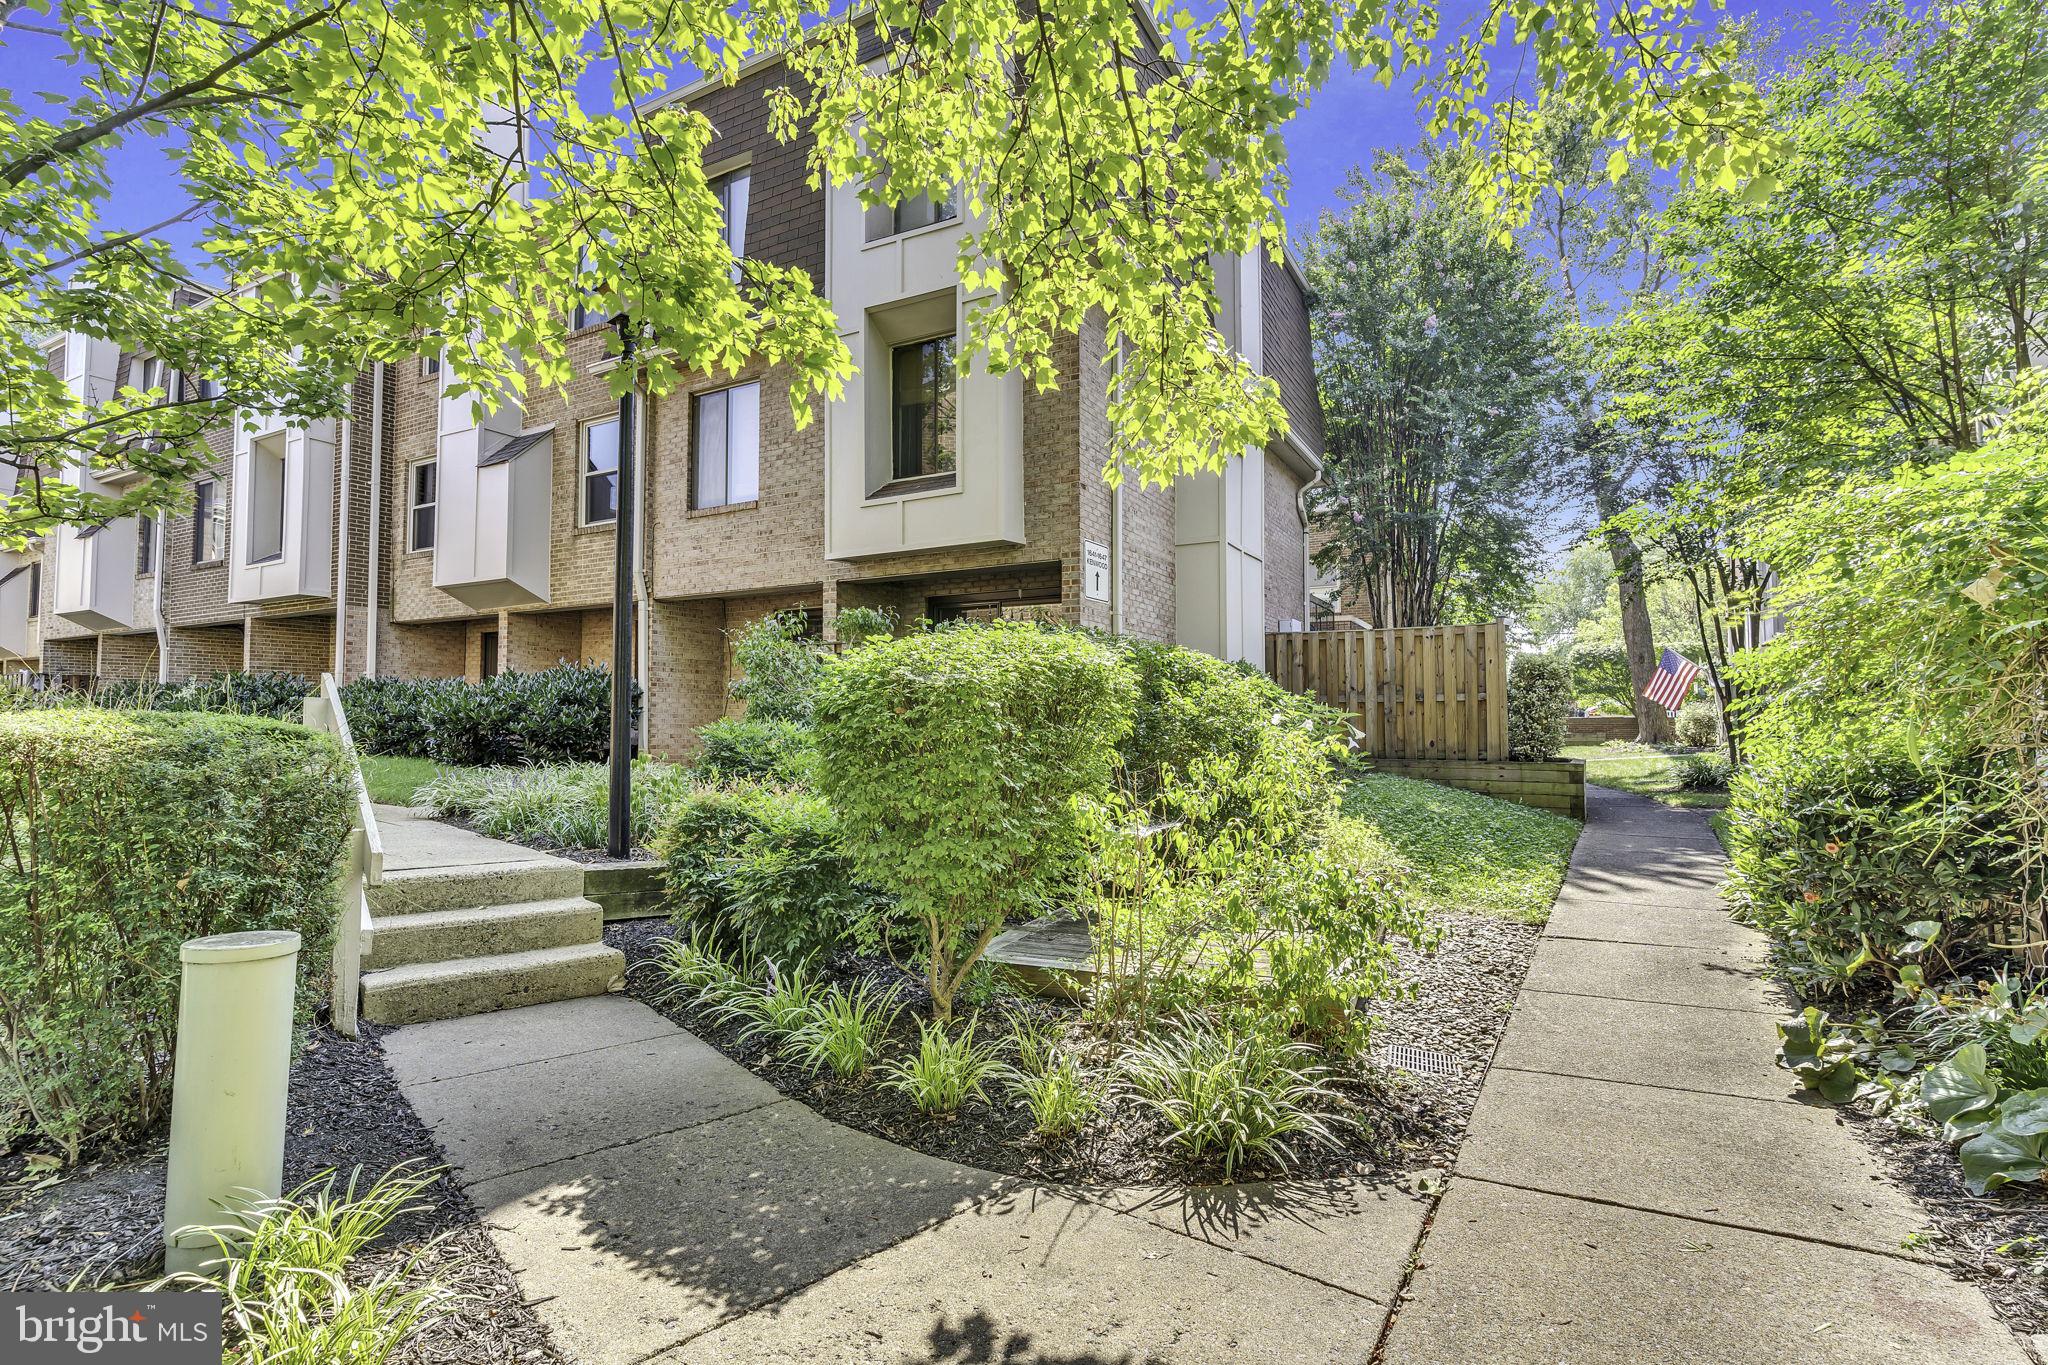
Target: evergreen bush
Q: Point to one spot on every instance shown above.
(131, 833)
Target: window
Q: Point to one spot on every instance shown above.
(732, 208)
(266, 498)
(426, 481)
(35, 589)
(601, 472)
(209, 523)
(921, 408)
(919, 210)
(728, 448)
(487, 654)
(587, 315)
(209, 389)
(430, 365)
(148, 372)
(145, 546)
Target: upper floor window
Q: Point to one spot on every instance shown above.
(209, 523)
(600, 472)
(149, 372)
(921, 408)
(35, 588)
(209, 389)
(732, 192)
(919, 210)
(265, 532)
(430, 365)
(145, 546)
(425, 492)
(727, 456)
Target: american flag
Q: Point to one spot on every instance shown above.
(1673, 680)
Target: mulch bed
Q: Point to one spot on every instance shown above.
(101, 1223)
(1395, 1122)
(1999, 1243)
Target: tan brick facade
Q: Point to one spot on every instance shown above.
(708, 571)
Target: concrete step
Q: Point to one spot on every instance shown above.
(478, 985)
(423, 890)
(485, 931)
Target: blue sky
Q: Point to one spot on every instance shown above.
(1351, 118)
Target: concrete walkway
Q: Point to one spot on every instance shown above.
(415, 843)
(1640, 1183)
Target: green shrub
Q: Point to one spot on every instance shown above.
(858, 625)
(1539, 700)
(555, 715)
(790, 893)
(385, 715)
(958, 762)
(1600, 674)
(1191, 705)
(694, 972)
(1232, 1096)
(131, 833)
(280, 696)
(760, 869)
(1699, 724)
(945, 1072)
(1857, 863)
(741, 746)
(1702, 772)
(777, 1010)
(778, 669)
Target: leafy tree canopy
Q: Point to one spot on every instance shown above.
(385, 178)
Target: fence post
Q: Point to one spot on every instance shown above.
(234, 1057)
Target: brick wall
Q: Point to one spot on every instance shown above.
(1286, 585)
(432, 650)
(73, 654)
(201, 651)
(298, 644)
(127, 656)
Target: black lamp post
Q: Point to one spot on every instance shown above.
(619, 824)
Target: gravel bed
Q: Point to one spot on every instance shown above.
(1392, 1122)
(101, 1223)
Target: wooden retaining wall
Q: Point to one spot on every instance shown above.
(1555, 785)
(1414, 692)
(1599, 728)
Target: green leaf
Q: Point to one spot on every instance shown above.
(1960, 1086)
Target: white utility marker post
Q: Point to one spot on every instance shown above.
(227, 1093)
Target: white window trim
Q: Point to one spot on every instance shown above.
(696, 453)
(413, 507)
(584, 473)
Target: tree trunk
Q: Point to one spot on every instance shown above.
(1653, 722)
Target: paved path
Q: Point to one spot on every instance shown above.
(1639, 1185)
(415, 843)
(1640, 1182)
(664, 1203)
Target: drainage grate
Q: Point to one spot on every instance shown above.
(1417, 1061)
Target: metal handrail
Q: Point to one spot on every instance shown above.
(354, 929)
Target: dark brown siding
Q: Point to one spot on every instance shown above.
(785, 217)
(1284, 329)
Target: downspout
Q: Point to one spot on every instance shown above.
(376, 514)
(1116, 558)
(163, 630)
(1301, 506)
(348, 441)
(643, 624)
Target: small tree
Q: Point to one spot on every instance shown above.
(1539, 699)
(959, 762)
(778, 668)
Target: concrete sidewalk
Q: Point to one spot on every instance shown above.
(1640, 1183)
(660, 1202)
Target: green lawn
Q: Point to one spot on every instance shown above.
(392, 780)
(1470, 852)
(1651, 773)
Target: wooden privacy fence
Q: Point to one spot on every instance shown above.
(1421, 692)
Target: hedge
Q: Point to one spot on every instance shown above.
(132, 832)
(555, 715)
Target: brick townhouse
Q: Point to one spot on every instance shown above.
(417, 538)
